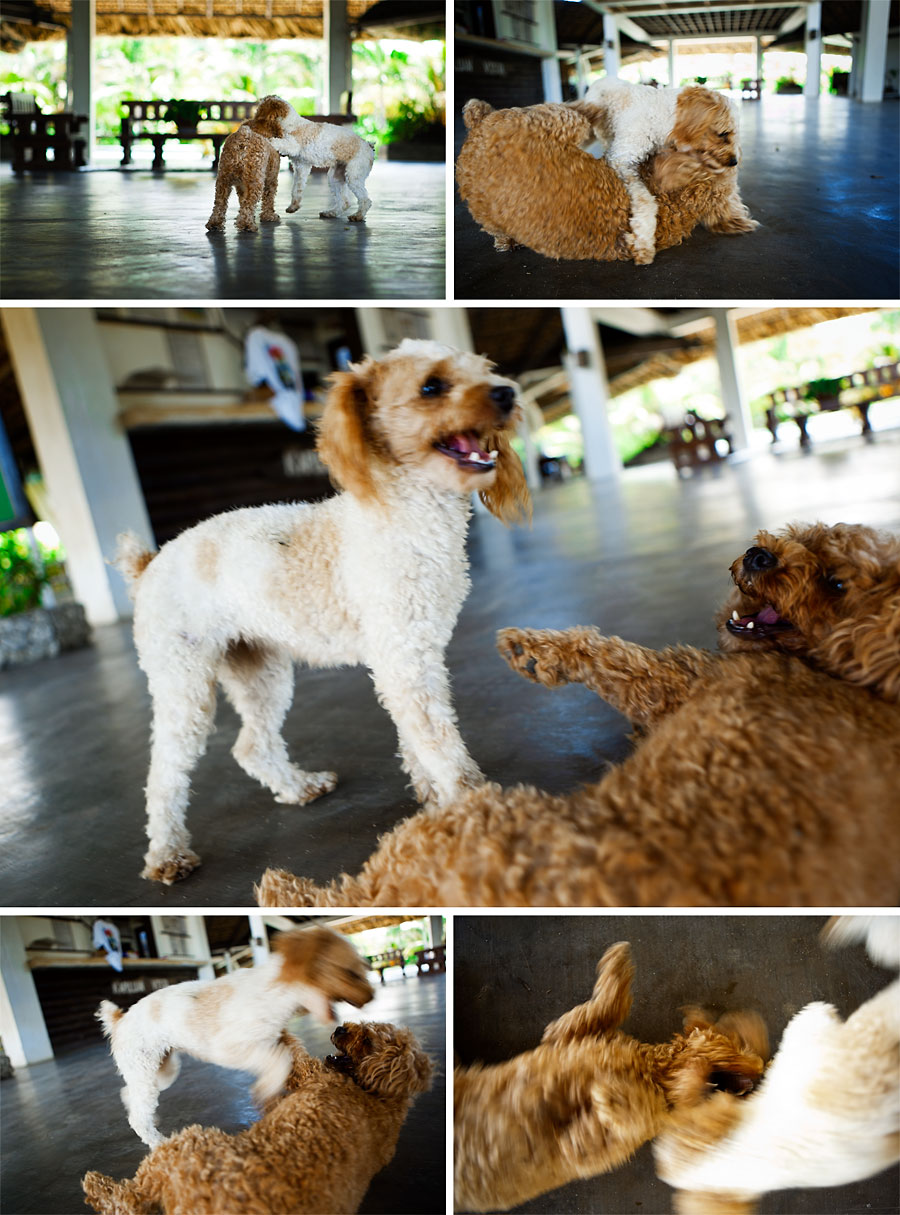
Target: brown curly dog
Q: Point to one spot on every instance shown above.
(765, 778)
(526, 181)
(315, 1150)
(585, 1100)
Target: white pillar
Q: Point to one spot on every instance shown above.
(813, 48)
(590, 392)
(551, 79)
(740, 421)
(451, 326)
(874, 49)
(611, 53)
(581, 83)
(80, 68)
(337, 54)
(22, 1027)
(673, 83)
(84, 456)
(759, 62)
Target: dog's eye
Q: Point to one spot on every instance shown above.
(434, 386)
(722, 134)
(836, 584)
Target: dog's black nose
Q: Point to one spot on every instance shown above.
(503, 397)
(756, 559)
(340, 1032)
(732, 162)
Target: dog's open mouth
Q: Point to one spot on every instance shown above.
(465, 450)
(732, 1082)
(339, 1063)
(758, 625)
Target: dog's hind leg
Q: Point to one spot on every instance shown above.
(643, 684)
(249, 193)
(301, 170)
(270, 187)
(184, 705)
(357, 172)
(260, 685)
(216, 220)
(109, 1197)
(610, 1001)
(140, 1096)
(336, 186)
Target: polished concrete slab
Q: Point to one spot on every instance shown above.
(135, 234)
(821, 178)
(64, 1117)
(514, 974)
(646, 557)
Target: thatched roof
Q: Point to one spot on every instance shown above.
(262, 20)
(753, 328)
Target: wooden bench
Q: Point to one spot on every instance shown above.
(144, 119)
(382, 961)
(693, 442)
(33, 134)
(431, 960)
(856, 390)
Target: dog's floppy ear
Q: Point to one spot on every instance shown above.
(508, 498)
(301, 951)
(865, 650)
(696, 111)
(342, 441)
(610, 1001)
(396, 1069)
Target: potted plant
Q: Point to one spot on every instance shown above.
(29, 631)
(185, 114)
(824, 391)
(787, 84)
(415, 134)
(840, 82)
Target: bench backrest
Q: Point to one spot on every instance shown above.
(21, 103)
(212, 111)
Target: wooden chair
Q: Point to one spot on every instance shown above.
(33, 134)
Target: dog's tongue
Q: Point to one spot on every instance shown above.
(467, 443)
(767, 616)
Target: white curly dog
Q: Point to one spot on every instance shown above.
(374, 576)
(827, 1112)
(325, 145)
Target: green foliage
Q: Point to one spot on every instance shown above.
(21, 582)
(183, 113)
(787, 84)
(817, 390)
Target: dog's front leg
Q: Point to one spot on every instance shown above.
(643, 684)
(302, 170)
(728, 215)
(644, 209)
(113, 1197)
(415, 690)
(271, 1064)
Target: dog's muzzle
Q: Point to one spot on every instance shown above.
(504, 398)
(758, 559)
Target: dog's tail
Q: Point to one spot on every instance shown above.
(109, 1015)
(131, 559)
(879, 933)
(474, 112)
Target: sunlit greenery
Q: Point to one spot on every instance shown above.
(398, 86)
(22, 578)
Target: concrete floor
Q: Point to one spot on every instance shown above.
(64, 1117)
(141, 235)
(821, 177)
(514, 974)
(645, 557)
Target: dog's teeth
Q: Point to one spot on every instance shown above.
(749, 624)
(734, 615)
(493, 454)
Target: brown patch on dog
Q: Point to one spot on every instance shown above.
(704, 127)
(268, 118)
(207, 561)
(322, 958)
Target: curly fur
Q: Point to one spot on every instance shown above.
(826, 1114)
(830, 595)
(527, 181)
(316, 1150)
(374, 576)
(248, 164)
(760, 781)
(237, 1021)
(585, 1100)
(635, 121)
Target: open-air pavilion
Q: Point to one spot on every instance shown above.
(132, 231)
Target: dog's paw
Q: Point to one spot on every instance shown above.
(306, 788)
(358, 218)
(278, 888)
(534, 653)
(244, 227)
(215, 225)
(270, 219)
(327, 215)
(643, 256)
(170, 869)
(292, 207)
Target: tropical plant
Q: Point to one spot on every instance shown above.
(21, 581)
(185, 114)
